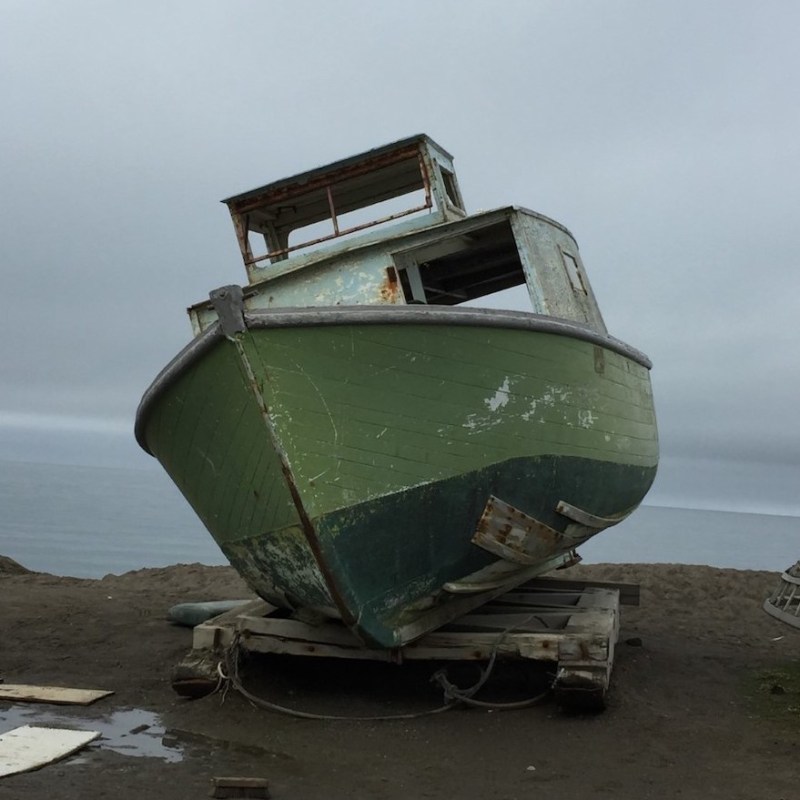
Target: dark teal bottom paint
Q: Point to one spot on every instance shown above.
(387, 553)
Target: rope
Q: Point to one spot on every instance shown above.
(228, 672)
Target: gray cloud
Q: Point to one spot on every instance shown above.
(665, 136)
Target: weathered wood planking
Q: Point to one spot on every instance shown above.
(56, 695)
(628, 592)
(30, 747)
(218, 632)
(586, 653)
(576, 627)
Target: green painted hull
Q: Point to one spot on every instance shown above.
(346, 467)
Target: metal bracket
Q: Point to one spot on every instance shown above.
(509, 533)
(228, 302)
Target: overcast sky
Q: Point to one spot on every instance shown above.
(665, 135)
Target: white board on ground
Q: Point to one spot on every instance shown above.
(30, 747)
(50, 694)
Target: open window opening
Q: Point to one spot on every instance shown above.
(332, 203)
(346, 224)
(462, 268)
(573, 272)
(451, 188)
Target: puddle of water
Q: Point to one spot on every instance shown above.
(130, 732)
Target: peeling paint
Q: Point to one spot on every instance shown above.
(501, 396)
(477, 423)
(526, 415)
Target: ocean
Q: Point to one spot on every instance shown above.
(88, 521)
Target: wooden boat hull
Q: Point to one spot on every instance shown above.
(395, 466)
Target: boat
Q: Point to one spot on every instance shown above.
(362, 439)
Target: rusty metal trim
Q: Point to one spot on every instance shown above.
(513, 535)
(288, 189)
(590, 520)
(426, 179)
(339, 233)
(332, 207)
(350, 166)
(326, 178)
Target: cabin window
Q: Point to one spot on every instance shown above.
(574, 272)
(376, 216)
(461, 268)
(450, 187)
(334, 202)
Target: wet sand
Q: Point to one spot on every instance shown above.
(681, 719)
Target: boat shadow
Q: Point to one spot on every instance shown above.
(356, 688)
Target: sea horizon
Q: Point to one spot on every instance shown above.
(88, 521)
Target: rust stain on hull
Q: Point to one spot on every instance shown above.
(514, 535)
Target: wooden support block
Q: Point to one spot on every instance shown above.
(240, 787)
(217, 632)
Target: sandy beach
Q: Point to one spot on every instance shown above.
(698, 706)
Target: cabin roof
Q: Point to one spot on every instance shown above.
(413, 176)
(369, 158)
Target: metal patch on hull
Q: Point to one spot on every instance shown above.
(513, 535)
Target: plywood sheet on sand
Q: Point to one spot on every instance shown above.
(50, 694)
(30, 747)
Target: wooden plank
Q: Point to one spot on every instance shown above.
(530, 622)
(440, 615)
(257, 608)
(594, 598)
(256, 788)
(466, 645)
(553, 617)
(586, 650)
(501, 574)
(30, 747)
(326, 633)
(217, 632)
(629, 593)
(210, 636)
(57, 695)
(274, 644)
(480, 645)
(541, 599)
